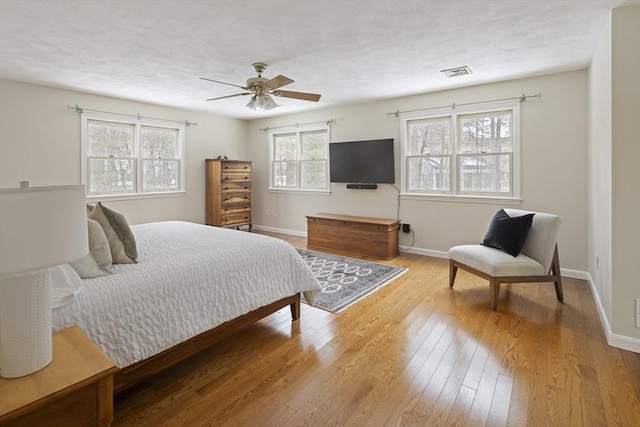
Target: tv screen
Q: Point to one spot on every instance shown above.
(362, 162)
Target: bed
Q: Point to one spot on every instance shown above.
(192, 285)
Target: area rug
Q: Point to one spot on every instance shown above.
(345, 281)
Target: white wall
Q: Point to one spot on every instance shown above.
(614, 185)
(625, 156)
(554, 167)
(600, 253)
(40, 143)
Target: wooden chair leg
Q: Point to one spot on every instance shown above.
(494, 290)
(555, 270)
(453, 269)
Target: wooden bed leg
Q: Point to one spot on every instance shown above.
(295, 309)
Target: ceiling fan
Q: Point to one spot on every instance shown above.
(262, 88)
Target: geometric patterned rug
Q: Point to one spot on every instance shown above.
(344, 280)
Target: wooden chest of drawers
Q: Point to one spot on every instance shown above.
(228, 200)
(353, 235)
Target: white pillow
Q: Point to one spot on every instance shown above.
(65, 285)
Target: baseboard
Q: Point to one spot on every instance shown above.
(614, 340)
(280, 230)
(425, 252)
(574, 274)
(566, 272)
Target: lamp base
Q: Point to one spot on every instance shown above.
(25, 323)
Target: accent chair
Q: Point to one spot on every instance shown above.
(537, 261)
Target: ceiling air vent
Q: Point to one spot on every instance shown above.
(457, 71)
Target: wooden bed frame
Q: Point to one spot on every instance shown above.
(131, 375)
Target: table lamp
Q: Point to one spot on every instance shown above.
(40, 227)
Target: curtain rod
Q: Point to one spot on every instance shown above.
(521, 98)
(328, 122)
(138, 116)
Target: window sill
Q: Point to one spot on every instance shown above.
(462, 199)
(296, 191)
(134, 196)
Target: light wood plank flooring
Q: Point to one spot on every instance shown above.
(414, 353)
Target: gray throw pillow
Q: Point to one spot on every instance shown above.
(121, 240)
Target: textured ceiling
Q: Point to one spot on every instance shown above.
(347, 50)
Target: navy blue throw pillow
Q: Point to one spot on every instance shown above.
(508, 233)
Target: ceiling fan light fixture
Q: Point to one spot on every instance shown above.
(269, 103)
(252, 102)
(261, 102)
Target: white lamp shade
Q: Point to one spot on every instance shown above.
(42, 227)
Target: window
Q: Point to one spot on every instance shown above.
(131, 157)
(298, 156)
(466, 152)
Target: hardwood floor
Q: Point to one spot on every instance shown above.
(414, 353)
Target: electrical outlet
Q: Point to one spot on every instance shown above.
(406, 228)
(267, 212)
(637, 312)
(273, 212)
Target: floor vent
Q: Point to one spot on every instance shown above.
(457, 71)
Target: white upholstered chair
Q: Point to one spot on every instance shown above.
(538, 260)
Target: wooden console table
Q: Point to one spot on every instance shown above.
(353, 235)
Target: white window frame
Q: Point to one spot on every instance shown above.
(299, 129)
(138, 192)
(455, 193)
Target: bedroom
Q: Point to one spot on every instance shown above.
(577, 108)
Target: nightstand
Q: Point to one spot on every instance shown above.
(75, 389)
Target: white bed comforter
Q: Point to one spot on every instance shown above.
(189, 278)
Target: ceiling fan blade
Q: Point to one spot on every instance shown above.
(229, 96)
(224, 83)
(297, 95)
(278, 81)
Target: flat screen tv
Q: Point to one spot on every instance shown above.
(366, 162)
